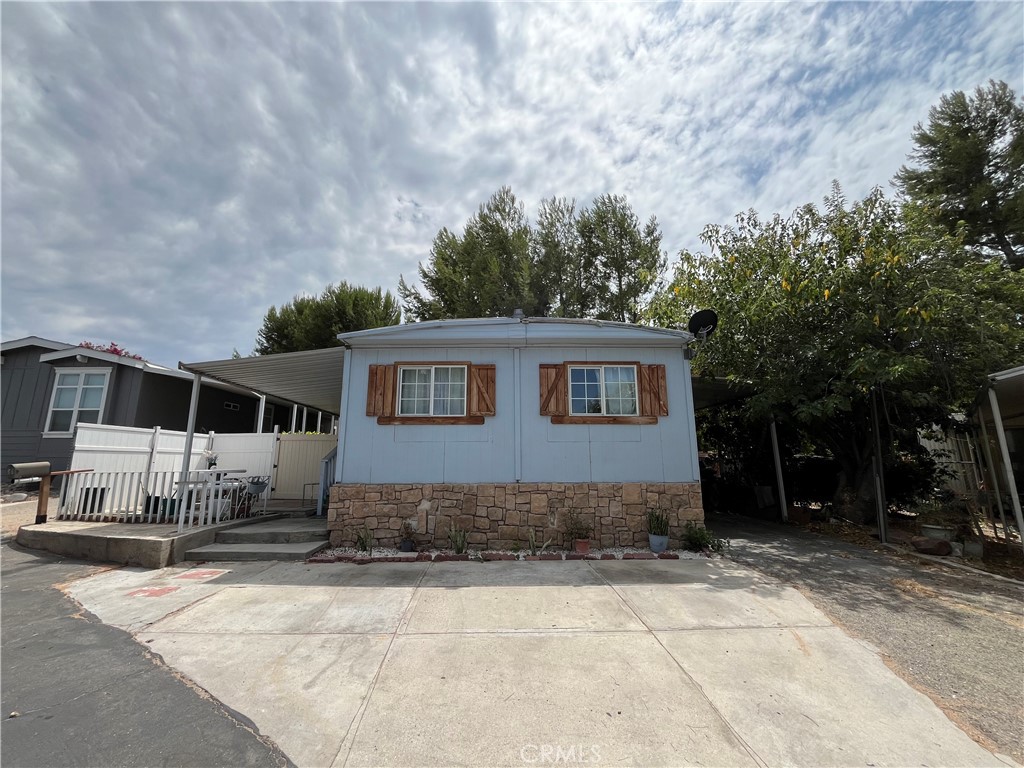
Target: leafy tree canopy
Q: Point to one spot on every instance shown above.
(598, 262)
(820, 308)
(314, 322)
(483, 272)
(969, 168)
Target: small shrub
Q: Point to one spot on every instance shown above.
(699, 539)
(457, 536)
(576, 527)
(364, 539)
(657, 522)
(533, 543)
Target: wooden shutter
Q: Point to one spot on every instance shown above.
(653, 390)
(481, 390)
(380, 391)
(554, 396)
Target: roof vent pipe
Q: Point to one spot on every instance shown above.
(518, 314)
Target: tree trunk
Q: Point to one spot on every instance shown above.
(855, 496)
(1013, 258)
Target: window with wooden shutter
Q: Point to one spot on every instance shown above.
(601, 392)
(482, 385)
(553, 390)
(653, 391)
(380, 391)
(441, 392)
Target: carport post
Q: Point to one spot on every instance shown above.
(259, 414)
(778, 472)
(190, 433)
(987, 449)
(319, 418)
(303, 419)
(295, 415)
(997, 418)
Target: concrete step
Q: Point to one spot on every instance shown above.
(275, 532)
(237, 552)
(291, 510)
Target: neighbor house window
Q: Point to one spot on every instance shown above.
(432, 390)
(78, 398)
(608, 390)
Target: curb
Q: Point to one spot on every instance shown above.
(488, 557)
(953, 564)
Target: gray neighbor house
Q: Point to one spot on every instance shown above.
(47, 387)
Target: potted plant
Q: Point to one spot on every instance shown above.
(938, 518)
(578, 530)
(657, 530)
(211, 458)
(407, 544)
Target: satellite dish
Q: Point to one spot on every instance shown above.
(703, 323)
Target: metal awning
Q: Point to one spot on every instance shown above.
(1009, 390)
(709, 392)
(311, 379)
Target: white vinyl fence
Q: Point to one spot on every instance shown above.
(136, 474)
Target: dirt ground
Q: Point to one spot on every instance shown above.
(999, 558)
(16, 514)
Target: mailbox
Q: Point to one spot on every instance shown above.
(27, 470)
(40, 470)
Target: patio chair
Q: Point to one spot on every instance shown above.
(252, 492)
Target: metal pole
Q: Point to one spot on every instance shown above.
(319, 419)
(778, 472)
(186, 459)
(303, 419)
(883, 527)
(259, 414)
(295, 415)
(987, 451)
(997, 419)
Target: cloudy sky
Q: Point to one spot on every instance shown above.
(170, 171)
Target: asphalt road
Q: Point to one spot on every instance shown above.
(955, 636)
(76, 692)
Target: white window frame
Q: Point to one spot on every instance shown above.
(604, 397)
(58, 372)
(433, 369)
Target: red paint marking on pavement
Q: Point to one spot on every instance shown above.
(152, 591)
(200, 573)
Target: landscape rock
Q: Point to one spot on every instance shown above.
(927, 546)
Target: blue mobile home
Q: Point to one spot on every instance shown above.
(501, 425)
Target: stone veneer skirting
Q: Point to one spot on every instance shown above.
(500, 516)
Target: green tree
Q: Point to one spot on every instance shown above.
(819, 309)
(314, 322)
(970, 168)
(599, 262)
(484, 272)
(626, 258)
(561, 283)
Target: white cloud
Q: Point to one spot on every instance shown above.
(170, 171)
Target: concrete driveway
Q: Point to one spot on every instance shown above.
(689, 662)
